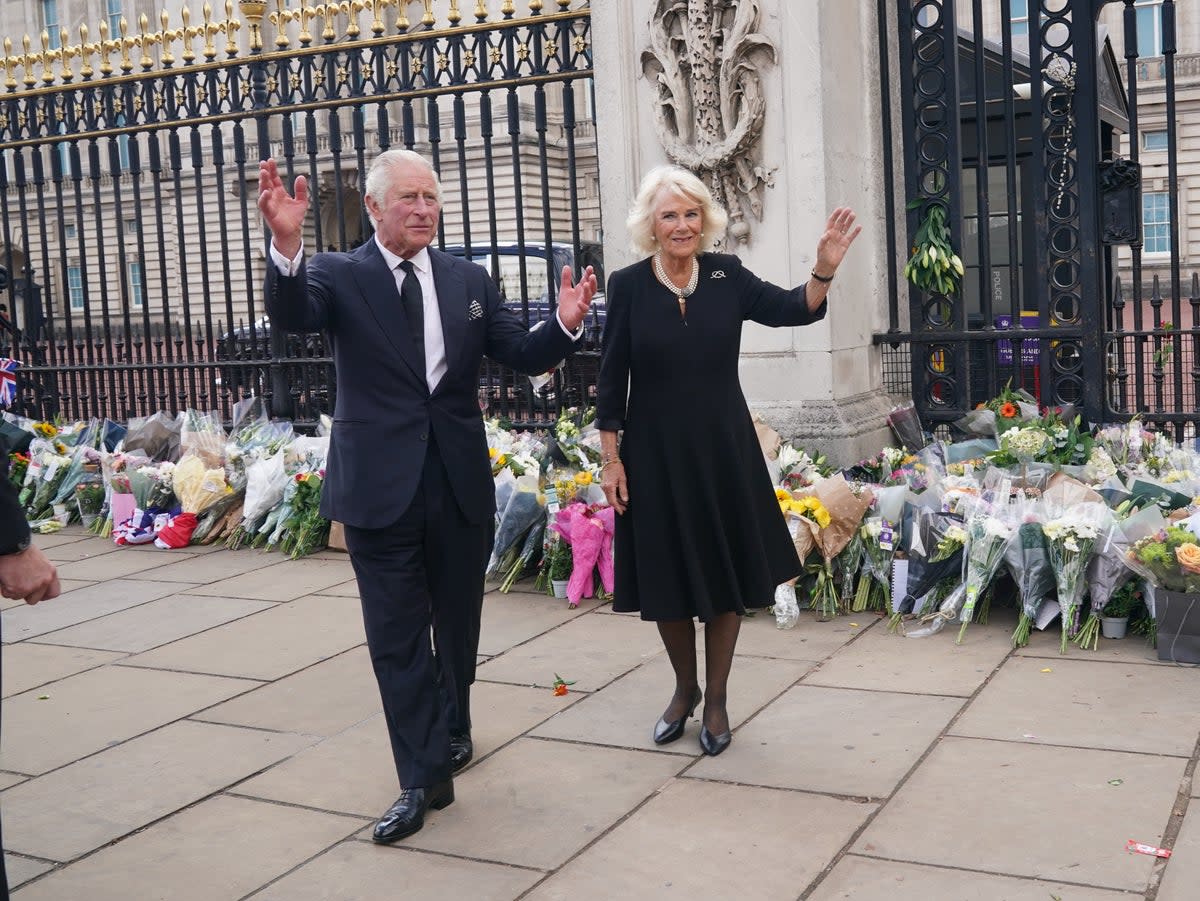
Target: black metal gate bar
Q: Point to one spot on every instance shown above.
(1168, 48)
(889, 163)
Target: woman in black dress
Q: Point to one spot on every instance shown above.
(699, 532)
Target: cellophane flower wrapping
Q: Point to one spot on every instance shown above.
(1028, 561)
(524, 508)
(1071, 533)
(1106, 572)
(197, 487)
(989, 529)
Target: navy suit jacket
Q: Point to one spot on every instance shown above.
(385, 412)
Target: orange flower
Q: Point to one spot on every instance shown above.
(1008, 410)
(560, 690)
(560, 685)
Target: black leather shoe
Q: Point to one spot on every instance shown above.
(665, 733)
(461, 751)
(712, 745)
(407, 815)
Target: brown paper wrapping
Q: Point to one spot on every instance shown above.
(768, 438)
(845, 515)
(1067, 491)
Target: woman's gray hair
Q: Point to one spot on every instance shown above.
(384, 166)
(681, 183)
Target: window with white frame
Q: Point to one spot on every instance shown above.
(75, 286)
(1020, 18)
(69, 231)
(113, 13)
(1156, 222)
(1149, 27)
(51, 24)
(1154, 140)
(136, 284)
(131, 227)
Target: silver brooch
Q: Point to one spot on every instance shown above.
(718, 273)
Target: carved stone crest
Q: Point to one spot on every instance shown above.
(705, 59)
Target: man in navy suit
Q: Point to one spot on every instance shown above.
(408, 471)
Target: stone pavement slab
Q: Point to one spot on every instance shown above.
(1182, 878)
(589, 650)
(221, 848)
(155, 623)
(1130, 649)
(81, 605)
(324, 699)
(22, 869)
(205, 569)
(883, 661)
(53, 725)
(285, 580)
(510, 619)
(1087, 704)
(80, 549)
(8, 780)
(1042, 812)
(866, 879)
(526, 805)
(809, 640)
(343, 589)
(124, 788)
(705, 840)
(267, 645)
(358, 871)
(27, 665)
(108, 565)
(791, 744)
(319, 777)
(69, 535)
(64, 585)
(623, 714)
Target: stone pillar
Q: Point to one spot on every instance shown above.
(822, 384)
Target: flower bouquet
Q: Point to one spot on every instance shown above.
(197, 488)
(1028, 562)
(1070, 537)
(832, 514)
(89, 499)
(989, 531)
(1106, 573)
(306, 530)
(880, 537)
(934, 554)
(523, 509)
(589, 532)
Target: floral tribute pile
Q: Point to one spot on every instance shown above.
(174, 480)
(1068, 525)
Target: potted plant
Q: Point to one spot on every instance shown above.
(1114, 618)
(562, 560)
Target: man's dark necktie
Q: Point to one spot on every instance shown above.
(414, 308)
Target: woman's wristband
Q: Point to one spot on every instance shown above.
(822, 278)
(604, 464)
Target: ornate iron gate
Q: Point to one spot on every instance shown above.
(1019, 126)
(132, 248)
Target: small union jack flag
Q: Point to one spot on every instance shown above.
(8, 381)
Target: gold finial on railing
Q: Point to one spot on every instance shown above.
(144, 41)
(253, 10)
(307, 14)
(507, 9)
(167, 37)
(106, 46)
(210, 30)
(280, 19)
(377, 26)
(86, 50)
(481, 13)
(453, 17)
(125, 42)
(47, 56)
(535, 6)
(328, 13)
(65, 54)
(9, 64)
(563, 4)
(428, 20)
(352, 8)
(402, 23)
(231, 28)
(187, 33)
(27, 63)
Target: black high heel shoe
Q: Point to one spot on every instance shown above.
(712, 745)
(665, 733)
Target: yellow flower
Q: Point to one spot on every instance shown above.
(492, 452)
(782, 495)
(45, 429)
(583, 478)
(502, 460)
(813, 509)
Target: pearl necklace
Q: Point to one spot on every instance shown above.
(681, 294)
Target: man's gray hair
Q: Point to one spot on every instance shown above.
(383, 169)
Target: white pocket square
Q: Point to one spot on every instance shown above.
(474, 311)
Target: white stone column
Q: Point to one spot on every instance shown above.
(821, 384)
